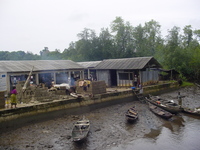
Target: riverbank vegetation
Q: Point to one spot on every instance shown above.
(185, 83)
(179, 49)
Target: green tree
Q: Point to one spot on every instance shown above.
(105, 44)
(197, 35)
(139, 40)
(195, 63)
(44, 53)
(187, 37)
(54, 55)
(123, 38)
(4, 55)
(85, 46)
(70, 53)
(152, 35)
(172, 49)
(31, 56)
(192, 52)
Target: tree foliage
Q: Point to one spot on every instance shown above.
(179, 49)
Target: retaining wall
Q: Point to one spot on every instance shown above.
(20, 116)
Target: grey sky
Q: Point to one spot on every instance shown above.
(31, 25)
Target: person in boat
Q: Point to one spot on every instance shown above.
(179, 99)
(158, 102)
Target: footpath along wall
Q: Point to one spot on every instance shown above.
(48, 110)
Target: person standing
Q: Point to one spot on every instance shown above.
(88, 83)
(179, 99)
(85, 86)
(135, 81)
(13, 98)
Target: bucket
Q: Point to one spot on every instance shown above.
(133, 88)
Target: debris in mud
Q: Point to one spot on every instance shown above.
(45, 131)
(108, 127)
(98, 130)
(49, 146)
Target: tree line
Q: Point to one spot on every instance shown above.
(179, 49)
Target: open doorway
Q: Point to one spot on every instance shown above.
(113, 77)
(45, 78)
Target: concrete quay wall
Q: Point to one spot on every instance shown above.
(65, 104)
(48, 110)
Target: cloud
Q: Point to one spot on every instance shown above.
(31, 25)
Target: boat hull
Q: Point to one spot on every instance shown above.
(131, 114)
(160, 112)
(171, 109)
(80, 130)
(191, 111)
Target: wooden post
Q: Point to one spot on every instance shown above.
(2, 100)
(27, 80)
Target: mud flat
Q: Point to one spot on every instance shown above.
(109, 128)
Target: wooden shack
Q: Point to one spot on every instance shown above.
(121, 72)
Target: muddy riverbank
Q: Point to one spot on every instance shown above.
(109, 128)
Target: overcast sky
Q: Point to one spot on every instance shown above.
(31, 25)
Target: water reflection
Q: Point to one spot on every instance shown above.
(180, 133)
(175, 124)
(81, 144)
(192, 116)
(110, 130)
(153, 134)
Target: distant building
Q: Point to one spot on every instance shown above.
(44, 71)
(121, 72)
(115, 72)
(89, 69)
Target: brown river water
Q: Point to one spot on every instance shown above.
(110, 130)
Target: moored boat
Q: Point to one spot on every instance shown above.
(195, 111)
(159, 111)
(168, 105)
(80, 129)
(131, 114)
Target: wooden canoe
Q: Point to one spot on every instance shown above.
(159, 111)
(195, 111)
(131, 114)
(164, 104)
(80, 130)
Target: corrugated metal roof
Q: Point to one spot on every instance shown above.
(89, 64)
(39, 65)
(126, 63)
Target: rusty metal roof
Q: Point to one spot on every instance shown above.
(39, 65)
(128, 63)
(89, 64)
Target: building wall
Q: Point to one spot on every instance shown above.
(104, 75)
(125, 78)
(3, 82)
(149, 76)
(36, 75)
